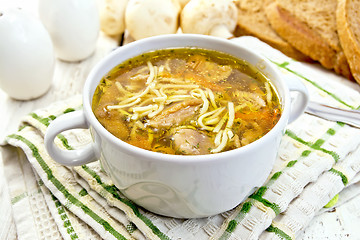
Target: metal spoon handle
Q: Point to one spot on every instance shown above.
(351, 117)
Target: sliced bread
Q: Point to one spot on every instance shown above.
(348, 24)
(253, 21)
(310, 26)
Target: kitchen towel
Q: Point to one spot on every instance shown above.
(317, 160)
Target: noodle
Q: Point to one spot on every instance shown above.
(216, 114)
(144, 109)
(146, 102)
(218, 138)
(231, 115)
(268, 92)
(125, 105)
(159, 99)
(152, 73)
(212, 97)
(177, 98)
(205, 101)
(166, 86)
(156, 112)
(224, 139)
(121, 88)
(211, 121)
(220, 124)
(147, 89)
(201, 118)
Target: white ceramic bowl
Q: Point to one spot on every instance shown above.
(175, 185)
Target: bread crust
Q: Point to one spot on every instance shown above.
(253, 21)
(300, 35)
(306, 40)
(347, 38)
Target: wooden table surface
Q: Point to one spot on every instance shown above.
(341, 223)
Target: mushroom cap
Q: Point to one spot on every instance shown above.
(209, 17)
(146, 18)
(112, 17)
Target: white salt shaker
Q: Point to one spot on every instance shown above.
(26, 55)
(73, 26)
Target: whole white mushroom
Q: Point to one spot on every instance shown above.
(144, 18)
(209, 17)
(112, 17)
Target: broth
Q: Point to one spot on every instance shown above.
(187, 101)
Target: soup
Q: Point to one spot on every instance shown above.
(186, 101)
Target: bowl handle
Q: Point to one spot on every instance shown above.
(298, 105)
(76, 157)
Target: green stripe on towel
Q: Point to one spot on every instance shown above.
(315, 146)
(131, 227)
(233, 223)
(64, 217)
(64, 191)
(45, 121)
(266, 202)
(278, 232)
(284, 65)
(231, 226)
(18, 197)
(246, 207)
(276, 176)
(344, 179)
(83, 192)
(64, 142)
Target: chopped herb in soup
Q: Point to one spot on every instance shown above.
(186, 101)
